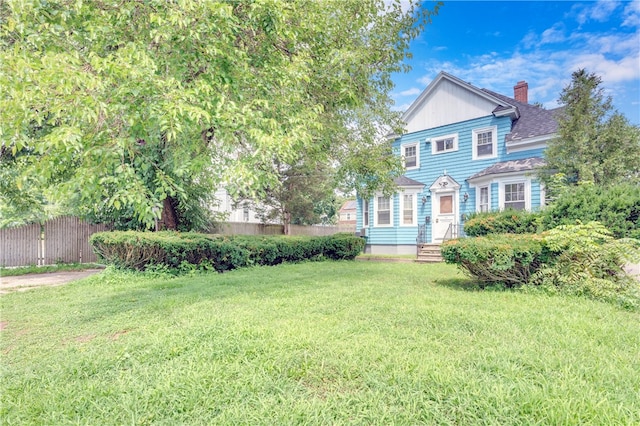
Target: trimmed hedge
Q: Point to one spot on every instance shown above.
(173, 250)
(502, 222)
(507, 259)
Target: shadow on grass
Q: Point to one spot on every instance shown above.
(460, 284)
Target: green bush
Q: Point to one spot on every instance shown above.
(176, 251)
(585, 259)
(581, 259)
(506, 259)
(502, 222)
(616, 207)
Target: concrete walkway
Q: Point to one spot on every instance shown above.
(48, 279)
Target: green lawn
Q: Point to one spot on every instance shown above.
(314, 343)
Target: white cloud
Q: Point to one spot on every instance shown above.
(614, 57)
(631, 15)
(402, 107)
(554, 34)
(411, 92)
(599, 11)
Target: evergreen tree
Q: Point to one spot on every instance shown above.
(596, 144)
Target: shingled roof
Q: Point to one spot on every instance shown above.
(533, 121)
(405, 181)
(511, 166)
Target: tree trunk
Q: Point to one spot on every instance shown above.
(286, 222)
(169, 215)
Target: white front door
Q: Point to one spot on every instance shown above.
(444, 209)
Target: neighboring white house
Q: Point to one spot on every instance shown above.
(234, 213)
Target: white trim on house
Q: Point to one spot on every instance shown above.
(479, 197)
(538, 142)
(434, 143)
(403, 149)
(494, 143)
(527, 191)
(414, 206)
(376, 199)
(366, 220)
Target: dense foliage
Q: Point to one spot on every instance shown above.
(617, 207)
(585, 259)
(580, 259)
(502, 222)
(143, 250)
(507, 259)
(144, 108)
(595, 143)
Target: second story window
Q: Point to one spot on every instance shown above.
(410, 155)
(444, 144)
(484, 143)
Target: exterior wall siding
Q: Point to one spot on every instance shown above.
(459, 165)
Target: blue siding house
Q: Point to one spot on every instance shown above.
(465, 150)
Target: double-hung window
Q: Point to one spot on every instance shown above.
(485, 143)
(365, 213)
(383, 211)
(483, 199)
(410, 155)
(408, 211)
(514, 196)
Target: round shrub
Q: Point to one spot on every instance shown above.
(502, 222)
(507, 259)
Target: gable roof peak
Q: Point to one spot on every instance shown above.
(502, 107)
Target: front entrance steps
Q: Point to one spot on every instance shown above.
(429, 253)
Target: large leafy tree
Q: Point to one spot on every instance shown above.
(596, 144)
(145, 107)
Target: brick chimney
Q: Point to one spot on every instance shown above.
(520, 92)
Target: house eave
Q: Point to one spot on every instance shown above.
(512, 113)
(523, 144)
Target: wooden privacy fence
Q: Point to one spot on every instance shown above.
(244, 228)
(63, 239)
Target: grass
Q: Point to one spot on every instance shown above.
(61, 267)
(314, 343)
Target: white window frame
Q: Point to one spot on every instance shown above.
(414, 207)
(494, 142)
(434, 143)
(527, 192)
(404, 147)
(376, 210)
(365, 213)
(479, 197)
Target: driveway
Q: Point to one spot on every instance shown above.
(30, 281)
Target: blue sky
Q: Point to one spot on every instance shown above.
(495, 44)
